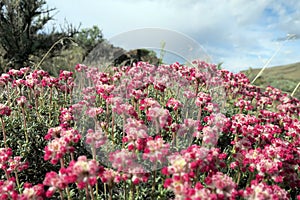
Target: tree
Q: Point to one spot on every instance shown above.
(21, 31)
(88, 38)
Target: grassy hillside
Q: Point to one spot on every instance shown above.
(285, 77)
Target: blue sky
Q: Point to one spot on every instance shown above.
(239, 33)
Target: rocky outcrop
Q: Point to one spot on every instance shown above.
(105, 55)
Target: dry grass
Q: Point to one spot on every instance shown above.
(285, 77)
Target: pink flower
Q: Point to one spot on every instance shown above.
(135, 129)
(210, 136)
(111, 176)
(15, 165)
(173, 103)
(4, 79)
(263, 191)
(36, 192)
(21, 101)
(66, 115)
(211, 107)
(8, 190)
(263, 101)
(80, 67)
(4, 110)
(53, 133)
(31, 81)
(5, 156)
(95, 138)
(202, 99)
(138, 174)
(14, 72)
(160, 116)
(64, 75)
(127, 109)
(224, 185)
(24, 70)
(85, 171)
(189, 94)
(219, 121)
(138, 94)
(156, 150)
(55, 181)
(178, 164)
(56, 149)
(243, 104)
(122, 108)
(148, 102)
(123, 160)
(104, 90)
(70, 135)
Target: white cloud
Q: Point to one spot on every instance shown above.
(236, 32)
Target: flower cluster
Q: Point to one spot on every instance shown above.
(8, 190)
(4, 110)
(11, 164)
(95, 138)
(249, 132)
(126, 163)
(200, 132)
(156, 150)
(62, 143)
(36, 192)
(56, 181)
(263, 191)
(136, 133)
(83, 172)
(185, 169)
(174, 103)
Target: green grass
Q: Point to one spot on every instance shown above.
(285, 77)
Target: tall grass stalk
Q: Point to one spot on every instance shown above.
(294, 91)
(290, 36)
(60, 41)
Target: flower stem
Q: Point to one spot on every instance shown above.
(61, 195)
(131, 193)
(7, 174)
(68, 193)
(93, 148)
(110, 191)
(154, 183)
(112, 127)
(17, 180)
(104, 188)
(72, 156)
(3, 132)
(87, 195)
(174, 139)
(125, 192)
(97, 188)
(199, 113)
(91, 192)
(25, 126)
(50, 100)
(124, 122)
(238, 178)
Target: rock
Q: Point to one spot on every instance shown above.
(105, 55)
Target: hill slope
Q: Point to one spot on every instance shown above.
(285, 77)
